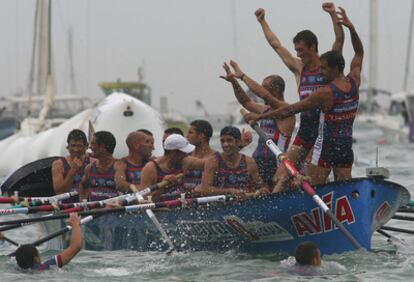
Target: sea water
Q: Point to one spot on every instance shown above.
(389, 261)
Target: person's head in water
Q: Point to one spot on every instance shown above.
(308, 253)
(27, 255)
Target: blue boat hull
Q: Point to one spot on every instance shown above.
(272, 224)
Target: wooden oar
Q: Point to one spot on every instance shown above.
(131, 208)
(122, 200)
(305, 185)
(57, 233)
(389, 228)
(4, 238)
(403, 217)
(75, 207)
(33, 201)
(390, 237)
(157, 224)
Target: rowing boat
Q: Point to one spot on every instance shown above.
(275, 223)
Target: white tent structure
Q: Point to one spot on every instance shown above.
(118, 113)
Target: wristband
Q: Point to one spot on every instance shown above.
(241, 77)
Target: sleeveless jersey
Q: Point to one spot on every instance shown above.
(76, 179)
(133, 172)
(335, 126)
(238, 177)
(102, 184)
(310, 81)
(172, 190)
(192, 179)
(269, 126)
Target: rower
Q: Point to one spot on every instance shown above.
(338, 101)
(229, 171)
(174, 161)
(308, 75)
(98, 182)
(67, 171)
(27, 256)
(199, 135)
(171, 130)
(128, 169)
(150, 136)
(280, 131)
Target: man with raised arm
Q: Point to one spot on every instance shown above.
(338, 101)
(27, 256)
(128, 169)
(280, 131)
(230, 172)
(307, 70)
(67, 171)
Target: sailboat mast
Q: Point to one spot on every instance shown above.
(43, 47)
(49, 41)
(29, 89)
(373, 53)
(408, 57)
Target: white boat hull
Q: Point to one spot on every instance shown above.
(18, 150)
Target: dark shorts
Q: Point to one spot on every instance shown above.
(307, 133)
(267, 169)
(333, 154)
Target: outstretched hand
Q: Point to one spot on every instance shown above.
(260, 14)
(246, 137)
(229, 75)
(251, 117)
(237, 71)
(343, 18)
(329, 7)
(74, 219)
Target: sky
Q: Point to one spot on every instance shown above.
(182, 44)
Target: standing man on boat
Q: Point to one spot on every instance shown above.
(280, 131)
(67, 172)
(98, 183)
(307, 71)
(27, 256)
(174, 161)
(229, 171)
(199, 135)
(338, 101)
(128, 169)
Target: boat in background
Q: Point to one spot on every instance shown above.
(396, 124)
(396, 118)
(118, 113)
(38, 108)
(141, 91)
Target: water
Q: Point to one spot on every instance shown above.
(388, 261)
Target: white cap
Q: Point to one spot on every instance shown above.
(178, 142)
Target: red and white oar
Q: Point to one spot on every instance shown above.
(305, 185)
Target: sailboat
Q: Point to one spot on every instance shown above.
(39, 108)
(42, 136)
(398, 123)
(396, 118)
